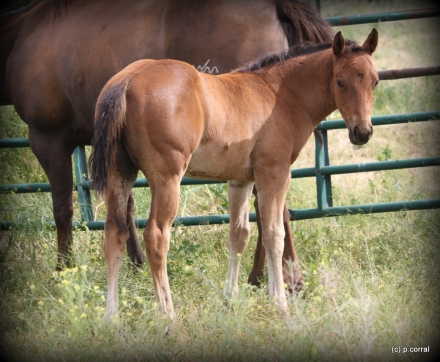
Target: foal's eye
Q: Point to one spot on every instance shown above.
(339, 83)
(377, 82)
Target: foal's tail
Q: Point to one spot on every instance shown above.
(109, 121)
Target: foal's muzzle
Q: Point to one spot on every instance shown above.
(360, 135)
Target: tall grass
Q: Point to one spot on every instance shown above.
(371, 281)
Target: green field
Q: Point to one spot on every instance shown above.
(371, 281)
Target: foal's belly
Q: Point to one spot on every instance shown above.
(221, 162)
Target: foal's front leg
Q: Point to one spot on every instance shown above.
(293, 278)
(272, 194)
(238, 194)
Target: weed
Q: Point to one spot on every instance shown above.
(385, 155)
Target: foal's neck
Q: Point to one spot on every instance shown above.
(308, 82)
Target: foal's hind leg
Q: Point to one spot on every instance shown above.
(116, 233)
(238, 194)
(165, 188)
(117, 228)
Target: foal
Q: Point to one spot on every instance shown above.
(248, 127)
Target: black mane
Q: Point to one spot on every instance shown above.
(304, 48)
(60, 7)
(57, 7)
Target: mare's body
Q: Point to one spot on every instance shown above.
(53, 64)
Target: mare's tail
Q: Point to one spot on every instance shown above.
(109, 120)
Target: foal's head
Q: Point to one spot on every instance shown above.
(354, 80)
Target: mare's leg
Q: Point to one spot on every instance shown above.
(134, 249)
(54, 155)
(272, 194)
(116, 228)
(293, 278)
(238, 194)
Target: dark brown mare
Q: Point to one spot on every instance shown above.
(53, 66)
(168, 120)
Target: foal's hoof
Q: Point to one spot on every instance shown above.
(282, 309)
(170, 313)
(111, 319)
(283, 312)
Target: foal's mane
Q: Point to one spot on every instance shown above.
(304, 48)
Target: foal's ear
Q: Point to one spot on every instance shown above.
(338, 44)
(371, 42)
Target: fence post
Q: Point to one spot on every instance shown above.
(85, 202)
(323, 182)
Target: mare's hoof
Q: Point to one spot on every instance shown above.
(64, 265)
(255, 280)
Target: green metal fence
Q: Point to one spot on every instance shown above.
(322, 170)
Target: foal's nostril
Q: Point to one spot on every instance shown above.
(356, 132)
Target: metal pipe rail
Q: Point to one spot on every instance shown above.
(382, 17)
(295, 173)
(295, 214)
(408, 73)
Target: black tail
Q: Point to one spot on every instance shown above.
(305, 22)
(109, 121)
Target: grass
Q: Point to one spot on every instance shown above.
(371, 281)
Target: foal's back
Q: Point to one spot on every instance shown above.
(215, 119)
